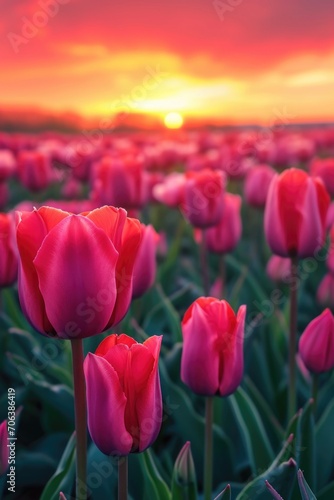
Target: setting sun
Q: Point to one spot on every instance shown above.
(173, 120)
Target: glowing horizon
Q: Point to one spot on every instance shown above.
(247, 65)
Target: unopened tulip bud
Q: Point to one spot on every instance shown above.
(184, 483)
(316, 344)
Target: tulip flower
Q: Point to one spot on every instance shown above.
(295, 214)
(316, 344)
(7, 164)
(203, 197)
(212, 357)
(224, 236)
(279, 268)
(257, 185)
(325, 292)
(34, 169)
(184, 483)
(4, 450)
(145, 265)
(8, 250)
(324, 168)
(171, 190)
(75, 274)
(330, 216)
(121, 182)
(123, 394)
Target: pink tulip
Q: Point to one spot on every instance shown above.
(123, 394)
(8, 250)
(75, 274)
(145, 265)
(257, 185)
(171, 191)
(34, 169)
(295, 214)
(120, 182)
(325, 292)
(316, 344)
(330, 216)
(7, 164)
(224, 237)
(204, 197)
(212, 358)
(279, 268)
(324, 168)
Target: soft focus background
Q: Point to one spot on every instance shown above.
(133, 91)
(219, 62)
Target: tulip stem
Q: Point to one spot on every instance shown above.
(80, 417)
(293, 337)
(208, 448)
(204, 265)
(122, 478)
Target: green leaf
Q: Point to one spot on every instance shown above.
(305, 490)
(324, 438)
(190, 425)
(281, 479)
(63, 478)
(257, 443)
(327, 493)
(305, 437)
(225, 494)
(154, 486)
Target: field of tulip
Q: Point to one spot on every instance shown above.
(192, 323)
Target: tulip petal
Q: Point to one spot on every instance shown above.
(272, 222)
(316, 344)
(200, 360)
(76, 272)
(124, 269)
(311, 224)
(113, 340)
(233, 360)
(31, 231)
(111, 220)
(149, 405)
(106, 404)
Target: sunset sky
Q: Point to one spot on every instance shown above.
(237, 61)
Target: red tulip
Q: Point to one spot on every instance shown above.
(224, 236)
(123, 394)
(295, 214)
(145, 265)
(203, 197)
(316, 344)
(8, 250)
(4, 450)
(75, 274)
(212, 358)
(257, 185)
(325, 292)
(324, 168)
(34, 169)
